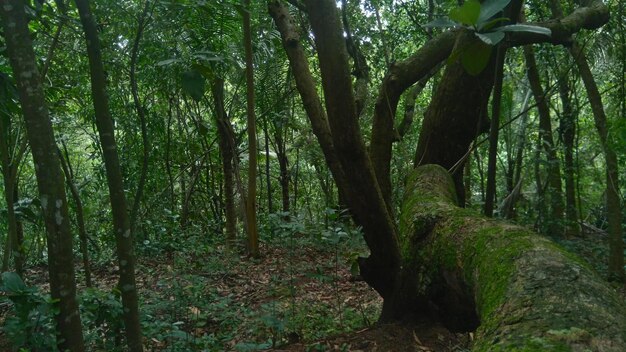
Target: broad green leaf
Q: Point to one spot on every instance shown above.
(203, 128)
(466, 14)
(525, 28)
(441, 23)
(490, 8)
(475, 57)
(167, 62)
(193, 83)
(490, 24)
(12, 283)
(204, 70)
(491, 38)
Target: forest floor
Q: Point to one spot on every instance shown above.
(299, 296)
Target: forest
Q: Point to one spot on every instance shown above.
(312, 175)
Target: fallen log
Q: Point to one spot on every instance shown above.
(517, 289)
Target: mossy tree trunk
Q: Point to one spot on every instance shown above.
(451, 123)
(521, 291)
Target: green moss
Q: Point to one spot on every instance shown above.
(492, 258)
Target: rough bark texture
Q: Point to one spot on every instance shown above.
(121, 221)
(528, 293)
(50, 183)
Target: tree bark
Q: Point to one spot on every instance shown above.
(613, 197)
(494, 130)
(567, 130)
(141, 113)
(554, 191)
(226, 138)
(449, 129)
(343, 155)
(253, 234)
(50, 181)
(121, 221)
(521, 291)
(80, 217)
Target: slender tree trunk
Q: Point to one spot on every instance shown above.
(554, 192)
(11, 158)
(48, 172)
(614, 211)
(567, 132)
(227, 152)
(168, 157)
(20, 261)
(253, 235)
(268, 179)
(121, 221)
(493, 132)
(141, 113)
(80, 218)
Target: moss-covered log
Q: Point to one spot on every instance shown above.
(527, 293)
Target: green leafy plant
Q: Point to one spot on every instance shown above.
(31, 326)
(483, 21)
(101, 312)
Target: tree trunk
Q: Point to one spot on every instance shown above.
(613, 197)
(141, 113)
(554, 191)
(449, 129)
(494, 130)
(80, 218)
(50, 182)
(567, 132)
(521, 291)
(227, 152)
(121, 221)
(253, 234)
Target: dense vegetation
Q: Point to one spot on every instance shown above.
(232, 175)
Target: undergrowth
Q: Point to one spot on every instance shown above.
(198, 296)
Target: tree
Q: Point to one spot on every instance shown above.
(456, 115)
(121, 221)
(253, 235)
(50, 180)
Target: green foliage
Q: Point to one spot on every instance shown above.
(101, 314)
(479, 17)
(30, 326)
(193, 83)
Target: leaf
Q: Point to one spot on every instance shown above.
(193, 83)
(526, 28)
(489, 8)
(441, 23)
(12, 283)
(466, 14)
(491, 38)
(203, 128)
(490, 24)
(475, 57)
(167, 62)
